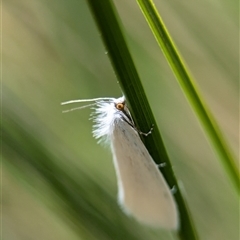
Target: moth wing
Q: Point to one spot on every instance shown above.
(143, 192)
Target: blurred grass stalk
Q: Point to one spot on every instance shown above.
(186, 82)
(106, 19)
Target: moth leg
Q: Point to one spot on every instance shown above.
(146, 134)
(162, 165)
(174, 189)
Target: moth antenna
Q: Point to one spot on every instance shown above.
(77, 108)
(85, 100)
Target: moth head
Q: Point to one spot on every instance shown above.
(120, 104)
(123, 111)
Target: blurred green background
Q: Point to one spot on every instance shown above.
(58, 183)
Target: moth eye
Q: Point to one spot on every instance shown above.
(119, 106)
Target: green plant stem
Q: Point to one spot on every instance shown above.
(106, 20)
(176, 63)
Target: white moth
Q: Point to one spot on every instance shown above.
(142, 190)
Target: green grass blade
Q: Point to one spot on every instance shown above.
(130, 83)
(206, 119)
